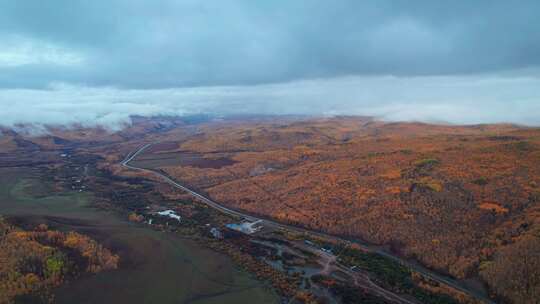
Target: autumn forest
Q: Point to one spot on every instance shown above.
(463, 200)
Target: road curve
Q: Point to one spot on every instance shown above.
(425, 272)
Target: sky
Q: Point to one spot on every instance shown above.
(98, 62)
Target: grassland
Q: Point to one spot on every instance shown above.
(155, 267)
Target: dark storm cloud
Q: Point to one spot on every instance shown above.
(149, 44)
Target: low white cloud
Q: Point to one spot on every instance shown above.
(460, 100)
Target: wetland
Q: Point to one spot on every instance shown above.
(155, 266)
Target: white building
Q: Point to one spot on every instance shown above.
(171, 214)
(246, 227)
(216, 233)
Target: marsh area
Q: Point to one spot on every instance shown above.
(155, 267)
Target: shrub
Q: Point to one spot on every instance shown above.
(481, 181)
(55, 265)
(428, 183)
(427, 162)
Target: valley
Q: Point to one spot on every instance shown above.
(398, 213)
(154, 266)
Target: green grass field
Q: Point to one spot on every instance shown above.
(23, 192)
(155, 267)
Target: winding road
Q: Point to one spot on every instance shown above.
(422, 270)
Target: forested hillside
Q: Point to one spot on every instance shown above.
(460, 199)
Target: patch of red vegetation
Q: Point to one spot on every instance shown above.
(493, 206)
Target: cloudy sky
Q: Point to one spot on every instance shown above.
(97, 62)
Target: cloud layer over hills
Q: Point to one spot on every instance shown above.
(463, 100)
(97, 62)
